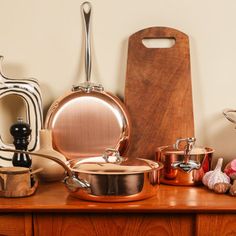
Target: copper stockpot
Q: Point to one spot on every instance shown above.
(184, 165)
(108, 178)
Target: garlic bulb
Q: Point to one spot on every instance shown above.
(215, 176)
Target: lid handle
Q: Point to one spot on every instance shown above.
(190, 142)
(109, 155)
(186, 165)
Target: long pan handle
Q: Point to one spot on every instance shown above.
(58, 161)
(86, 12)
(87, 86)
(73, 183)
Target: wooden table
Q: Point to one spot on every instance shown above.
(174, 211)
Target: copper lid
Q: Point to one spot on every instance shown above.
(112, 164)
(188, 148)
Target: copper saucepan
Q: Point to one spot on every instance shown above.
(88, 120)
(184, 164)
(108, 178)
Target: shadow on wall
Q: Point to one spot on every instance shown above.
(121, 69)
(13, 70)
(197, 85)
(46, 97)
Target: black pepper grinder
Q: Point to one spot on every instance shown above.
(21, 132)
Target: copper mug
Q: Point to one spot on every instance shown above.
(184, 165)
(17, 181)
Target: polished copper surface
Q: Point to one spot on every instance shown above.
(85, 124)
(119, 188)
(176, 176)
(130, 180)
(99, 166)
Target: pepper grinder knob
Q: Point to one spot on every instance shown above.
(21, 132)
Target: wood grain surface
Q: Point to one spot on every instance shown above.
(216, 225)
(15, 224)
(54, 197)
(113, 224)
(158, 92)
(173, 211)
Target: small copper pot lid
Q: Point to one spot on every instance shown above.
(186, 146)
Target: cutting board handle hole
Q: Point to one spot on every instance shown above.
(158, 42)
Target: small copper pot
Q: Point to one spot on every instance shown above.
(184, 165)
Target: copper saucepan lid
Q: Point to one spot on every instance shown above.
(111, 163)
(189, 147)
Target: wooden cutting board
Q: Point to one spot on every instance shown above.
(158, 92)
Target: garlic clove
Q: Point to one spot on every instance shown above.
(221, 187)
(217, 177)
(206, 177)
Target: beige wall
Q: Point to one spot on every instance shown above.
(43, 39)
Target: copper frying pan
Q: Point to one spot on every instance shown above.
(88, 120)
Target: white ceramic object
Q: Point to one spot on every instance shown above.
(51, 170)
(29, 91)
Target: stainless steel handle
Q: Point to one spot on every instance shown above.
(58, 161)
(72, 182)
(226, 112)
(187, 149)
(186, 164)
(87, 86)
(189, 143)
(107, 156)
(86, 11)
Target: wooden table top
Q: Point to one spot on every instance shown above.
(54, 197)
